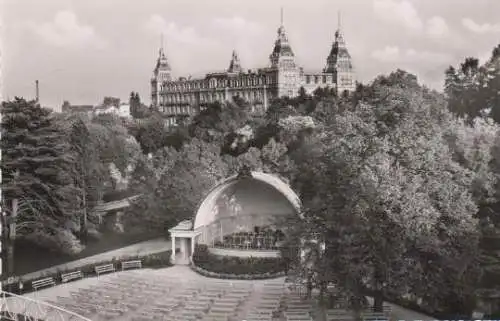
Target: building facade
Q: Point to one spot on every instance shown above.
(283, 77)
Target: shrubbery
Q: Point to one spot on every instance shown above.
(237, 266)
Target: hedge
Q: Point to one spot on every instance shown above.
(231, 276)
(414, 306)
(232, 265)
(156, 260)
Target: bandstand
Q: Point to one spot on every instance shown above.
(239, 217)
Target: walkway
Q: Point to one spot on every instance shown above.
(142, 248)
(400, 313)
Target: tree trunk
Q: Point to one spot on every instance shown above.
(309, 287)
(11, 239)
(83, 217)
(378, 301)
(322, 289)
(378, 294)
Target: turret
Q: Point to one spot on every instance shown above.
(234, 65)
(283, 62)
(282, 54)
(161, 73)
(339, 63)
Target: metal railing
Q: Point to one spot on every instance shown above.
(20, 308)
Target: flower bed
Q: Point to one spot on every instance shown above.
(212, 265)
(156, 260)
(230, 276)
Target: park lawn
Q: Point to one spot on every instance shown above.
(29, 257)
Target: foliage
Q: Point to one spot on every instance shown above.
(113, 142)
(217, 120)
(111, 101)
(153, 135)
(235, 265)
(37, 168)
(137, 109)
(385, 165)
(180, 180)
(472, 89)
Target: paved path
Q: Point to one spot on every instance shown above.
(400, 313)
(142, 248)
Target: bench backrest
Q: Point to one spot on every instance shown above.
(104, 268)
(71, 276)
(43, 282)
(131, 264)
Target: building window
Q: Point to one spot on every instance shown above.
(324, 79)
(315, 79)
(308, 79)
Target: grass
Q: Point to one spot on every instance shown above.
(29, 257)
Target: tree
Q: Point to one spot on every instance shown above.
(40, 195)
(153, 135)
(386, 205)
(181, 179)
(111, 101)
(218, 120)
(88, 169)
(113, 142)
(137, 109)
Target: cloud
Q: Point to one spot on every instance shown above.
(237, 25)
(393, 54)
(437, 27)
(66, 31)
(403, 13)
(480, 28)
(175, 33)
(398, 12)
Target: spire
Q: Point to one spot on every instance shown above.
(339, 57)
(281, 45)
(339, 21)
(162, 65)
(234, 65)
(162, 47)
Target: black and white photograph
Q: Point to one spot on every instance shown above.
(249, 160)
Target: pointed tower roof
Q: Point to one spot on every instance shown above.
(339, 52)
(162, 61)
(281, 45)
(234, 65)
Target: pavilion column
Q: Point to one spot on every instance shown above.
(193, 240)
(183, 247)
(173, 248)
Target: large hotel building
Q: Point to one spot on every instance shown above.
(283, 77)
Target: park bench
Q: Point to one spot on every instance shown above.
(135, 264)
(43, 283)
(104, 269)
(66, 277)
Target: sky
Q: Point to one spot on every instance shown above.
(81, 51)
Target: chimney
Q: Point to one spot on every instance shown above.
(37, 91)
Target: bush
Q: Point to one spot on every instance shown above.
(63, 241)
(156, 260)
(237, 266)
(230, 276)
(117, 195)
